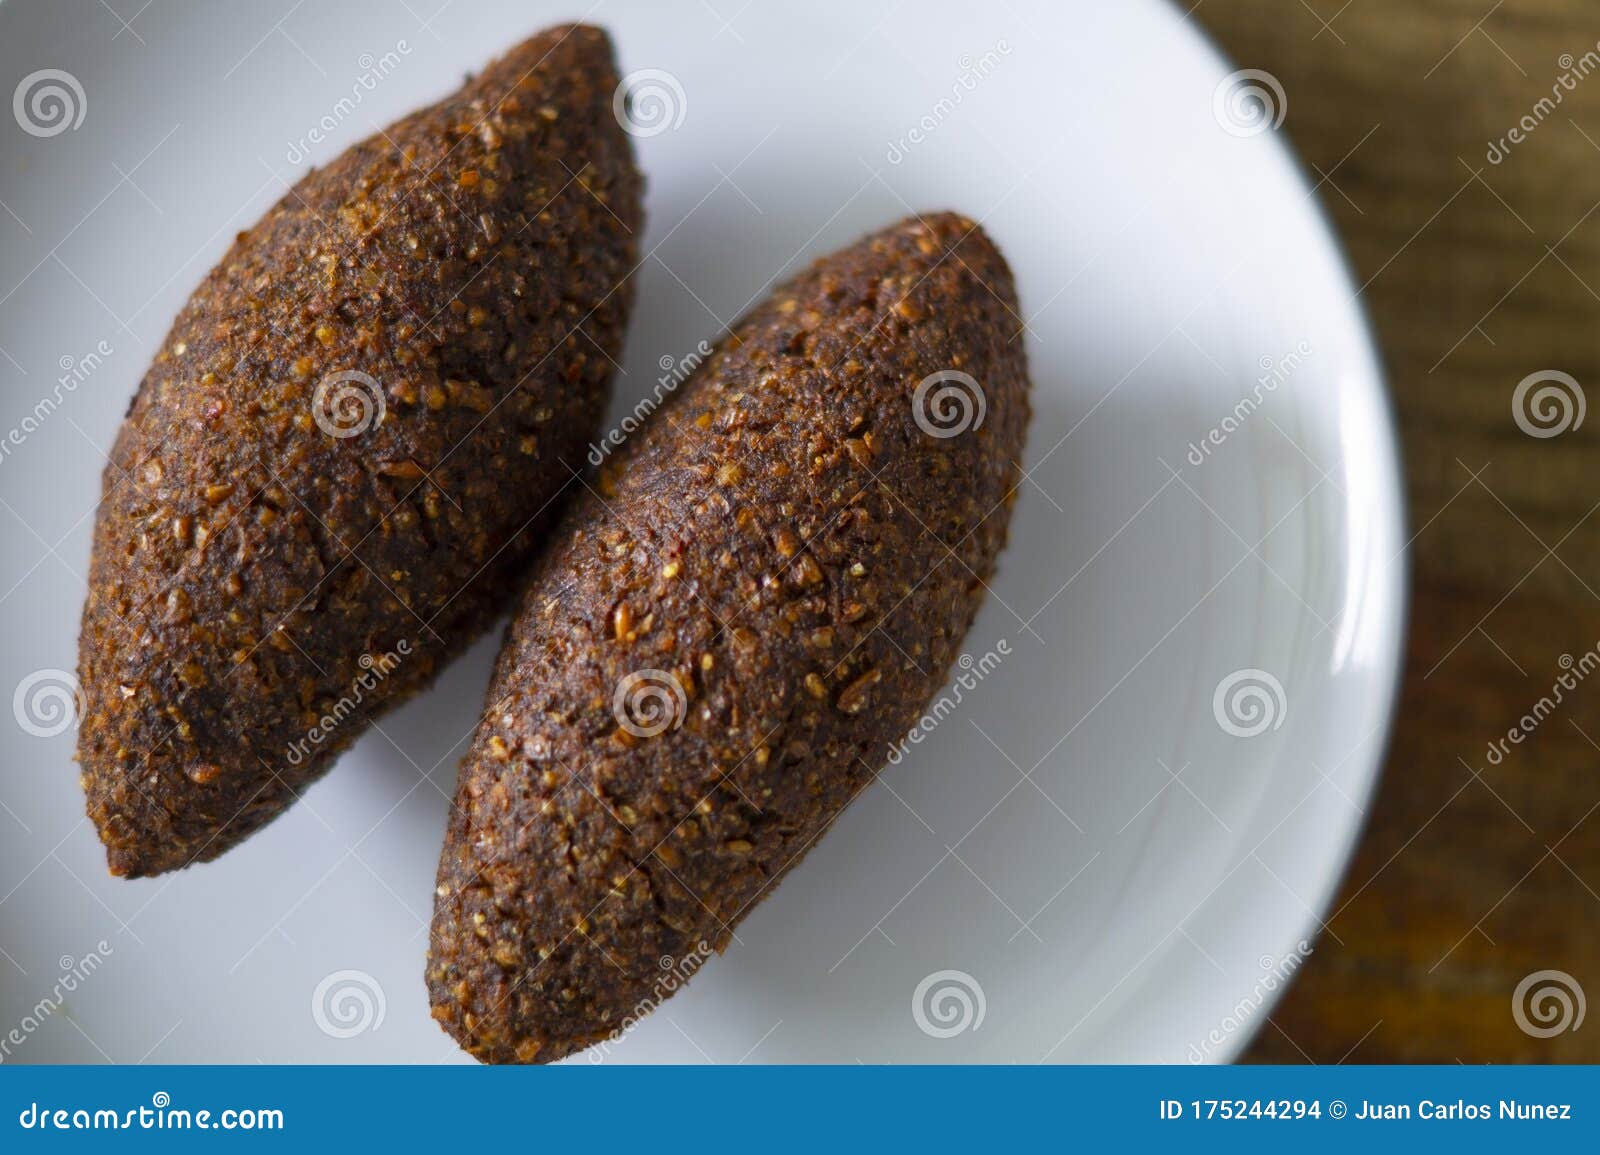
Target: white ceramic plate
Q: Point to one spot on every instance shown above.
(1110, 871)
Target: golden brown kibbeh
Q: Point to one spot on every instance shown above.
(333, 474)
(720, 645)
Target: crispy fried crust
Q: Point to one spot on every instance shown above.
(791, 551)
(269, 556)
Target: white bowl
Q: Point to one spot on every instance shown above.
(1086, 860)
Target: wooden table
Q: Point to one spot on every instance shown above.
(1479, 271)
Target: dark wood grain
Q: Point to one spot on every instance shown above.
(1471, 875)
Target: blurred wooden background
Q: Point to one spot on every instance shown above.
(1478, 272)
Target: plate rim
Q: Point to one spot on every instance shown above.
(1391, 667)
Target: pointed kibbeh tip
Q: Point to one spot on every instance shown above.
(357, 430)
(721, 647)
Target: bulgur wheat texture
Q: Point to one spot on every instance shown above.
(724, 640)
(354, 435)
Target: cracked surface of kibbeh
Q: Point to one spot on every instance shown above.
(788, 549)
(250, 568)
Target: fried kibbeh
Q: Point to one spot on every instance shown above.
(333, 474)
(723, 641)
